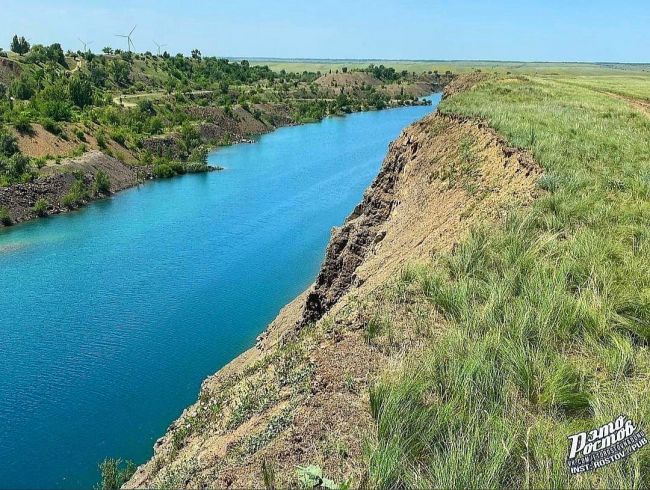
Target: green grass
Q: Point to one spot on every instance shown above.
(546, 318)
(419, 66)
(625, 85)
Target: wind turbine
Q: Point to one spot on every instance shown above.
(85, 43)
(159, 46)
(129, 43)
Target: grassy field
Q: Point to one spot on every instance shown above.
(458, 66)
(545, 320)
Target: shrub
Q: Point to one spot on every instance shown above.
(79, 150)
(22, 123)
(196, 167)
(118, 136)
(163, 171)
(114, 474)
(81, 92)
(76, 195)
(101, 140)
(102, 183)
(40, 207)
(199, 155)
(5, 217)
(8, 144)
(53, 102)
(51, 126)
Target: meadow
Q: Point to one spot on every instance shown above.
(420, 66)
(542, 322)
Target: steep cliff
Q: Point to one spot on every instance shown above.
(300, 397)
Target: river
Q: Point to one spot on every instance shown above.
(111, 316)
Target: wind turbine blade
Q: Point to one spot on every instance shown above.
(132, 29)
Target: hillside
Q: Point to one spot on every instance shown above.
(157, 114)
(482, 303)
(385, 81)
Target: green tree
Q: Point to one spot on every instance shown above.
(19, 45)
(97, 73)
(55, 54)
(119, 71)
(81, 92)
(54, 102)
(23, 88)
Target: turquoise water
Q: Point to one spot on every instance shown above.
(111, 317)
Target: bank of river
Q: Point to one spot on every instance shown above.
(113, 315)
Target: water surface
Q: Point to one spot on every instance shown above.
(111, 317)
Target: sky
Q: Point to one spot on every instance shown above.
(544, 30)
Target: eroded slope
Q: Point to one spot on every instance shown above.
(300, 396)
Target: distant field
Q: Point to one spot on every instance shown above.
(637, 86)
(458, 66)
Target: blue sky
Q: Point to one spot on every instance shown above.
(550, 30)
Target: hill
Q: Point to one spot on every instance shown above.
(158, 115)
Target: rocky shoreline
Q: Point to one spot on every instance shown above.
(19, 200)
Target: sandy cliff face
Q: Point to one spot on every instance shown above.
(300, 396)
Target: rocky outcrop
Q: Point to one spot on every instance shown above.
(163, 146)
(350, 243)
(56, 180)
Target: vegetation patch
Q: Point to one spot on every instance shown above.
(544, 319)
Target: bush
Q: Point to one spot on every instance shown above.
(196, 167)
(22, 123)
(5, 217)
(101, 140)
(8, 144)
(118, 136)
(79, 150)
(102, 183)
(81, 92)
(114, 474)
(163, 171)
(77, 194)
(53, 102)
(40, 207)
(199, 155)
(51, 126)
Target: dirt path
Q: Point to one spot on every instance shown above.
(123, 99)
(642, 105)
